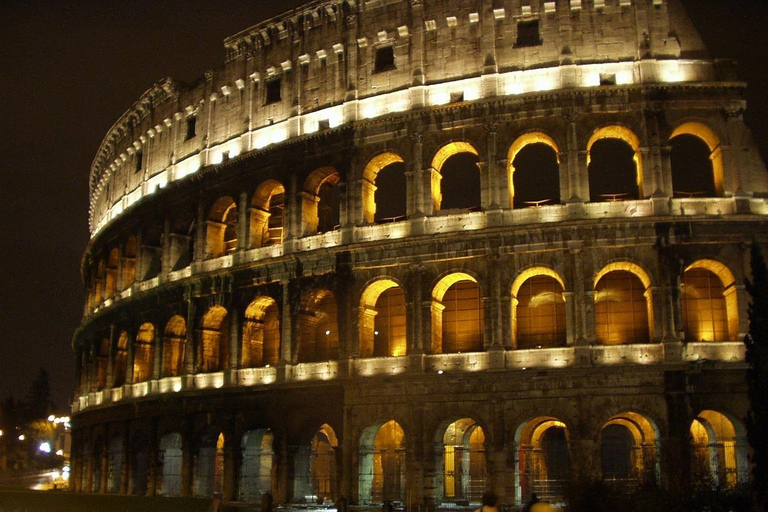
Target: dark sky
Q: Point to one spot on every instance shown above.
(71, 68)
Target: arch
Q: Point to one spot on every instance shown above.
(320, 201)
(143, 353)
(114, 464)
(209, 465)
(120, 363)
(383, 320)
(538, 309)
(370, 175)
(629, 447)
(139, 463)
(596, 181)
(708, 136)
(213, 346)
(323, 472)
(462, 461)
(267, 214)
(110, 287)
(318, 327)
(451, 188)
(709, 302)
(718, 451)
(382, 463)
(261, 333)
(174, 346)
(542, 460)
(623, 304)
(523, 141)
(129, 262)
(171, 455)
(457, 314)
(256, 465)
(221, 232)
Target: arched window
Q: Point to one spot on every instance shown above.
(533, 171)
(384, 189)
(213, 347)
(120, 365)
(382, 320)
(709, 304)
(542, 460)
(697, 161)
(382, 464)
(174, 345)
(457, 315)
(129, 263)
(321, 201)
(463, 460)
(456, 178)
(111, 274)
(139, 464)
(209, 466)
(261, 333)
(267, 214)
(143, 353)
(615, 165)
(538, 309)
(719, 452)
(318, 327)
(256, 467)
(628, 448)
(323, 474)
(622, 305)
(170, 456)
(115, 464)
(221, 235)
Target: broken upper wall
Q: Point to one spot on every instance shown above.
(328, 63)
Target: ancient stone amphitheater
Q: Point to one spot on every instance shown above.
(411, 250)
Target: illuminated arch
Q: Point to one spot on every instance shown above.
(442, 155)
(129, 262)
(320, 202)
(719, 451)
(120, 368)
(318, 327)
(213, 348)
(453, 294)
(718, 299)
(625, 134)
(382, 464)
(371, 171)
(382, 320)
(546, 297)
(174, 346)
(143, 353)
(617, 297)
(519, 143)
(461, 464)
(261, 333)
(629, 450)
(712, 141)
(267, 214)
(221, 232)
(541, 459)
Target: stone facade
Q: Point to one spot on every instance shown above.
(240, 270)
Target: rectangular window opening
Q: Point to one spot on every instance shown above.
(457, 97)
(139, 158)
(191, 127)
(273, 91)
(528, 34)
(385, 59)
(607, 79)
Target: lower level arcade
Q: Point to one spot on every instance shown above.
(396, 442)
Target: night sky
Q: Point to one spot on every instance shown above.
(69, 71)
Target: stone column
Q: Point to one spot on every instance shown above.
(243, 231)
(235, 345)
(578, 178)
(415, 189)
(489, 178)
(231, 462)
(190, 345)
(157, 353)
(129, 357)
(167, 259)
(200, 228)
(127, 460)
(187, 459)
(286, 324)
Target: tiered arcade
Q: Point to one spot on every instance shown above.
(409, 251)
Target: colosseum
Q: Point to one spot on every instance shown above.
(407, 251)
